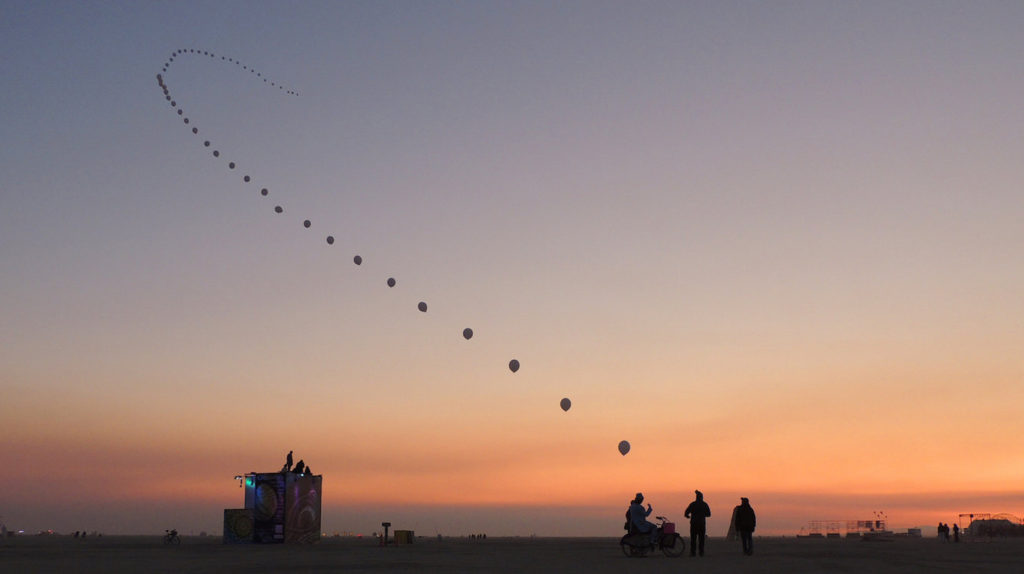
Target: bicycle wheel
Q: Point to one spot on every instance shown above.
(672, 545)
(174, 540)
(633, 551)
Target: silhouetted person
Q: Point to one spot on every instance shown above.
(698, 512)
(288, 462)
(300, 467)
(956, 533)
(638, 517)
(746, 520)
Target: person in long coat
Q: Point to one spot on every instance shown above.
(746, 521)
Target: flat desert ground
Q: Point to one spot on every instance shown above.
(113, 554)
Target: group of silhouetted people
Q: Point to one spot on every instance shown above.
(697, 512)
(300, 468)
(944, 532)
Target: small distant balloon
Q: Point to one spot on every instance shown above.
(306, 224)
(357, 260)
(216, 153)
(513, 365)
(330, 240)
(206, 143)
(246, 179)
(565, 404)
(623, 447)
(422, 306)
(467, 333)
(195, 130)
(391, 281)
(231, 165)
(264, 191)
(278, 208)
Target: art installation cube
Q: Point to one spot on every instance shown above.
(280, 507)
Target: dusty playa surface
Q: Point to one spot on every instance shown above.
(532, 555)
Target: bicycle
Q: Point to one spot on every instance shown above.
(171, 537)
(638, 544)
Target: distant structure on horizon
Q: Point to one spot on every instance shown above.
(280, 507)
(875, 529)
(998, 525)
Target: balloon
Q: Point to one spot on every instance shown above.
(206, 143)
(422, 307)
(306, 224)
(216, 153)
(231, 165)
(624, 447)
(391, 281)
(264, 191)
(357, 260)
(195, 130)
(467, 333)
(278, 208)
(513, 365)
(181, 112)
(246, 179)
(566, 403)
(330, 240)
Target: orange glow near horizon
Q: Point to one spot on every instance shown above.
(777, 247)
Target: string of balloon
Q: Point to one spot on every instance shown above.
(391, 282)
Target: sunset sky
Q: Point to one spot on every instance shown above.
(777, 246)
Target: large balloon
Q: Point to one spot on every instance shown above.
(467, 333)
(566, 403)
(513, 365)
(624, 447)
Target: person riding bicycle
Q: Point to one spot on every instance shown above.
(638, 518)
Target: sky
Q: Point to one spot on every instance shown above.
(776, 246)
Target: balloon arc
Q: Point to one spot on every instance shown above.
(467, 333)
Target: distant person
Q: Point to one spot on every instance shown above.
(638, 517)
(288, 462)
(300, 467)
(698, 512)
(746, 520)
(956, 533)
